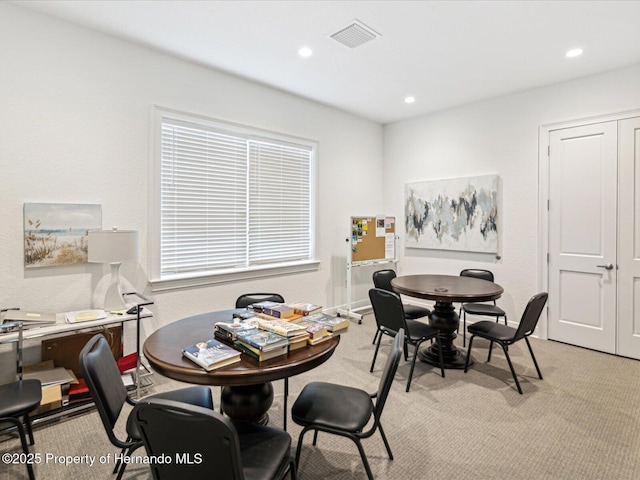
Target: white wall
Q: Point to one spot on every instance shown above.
(496, 136)
(75, 127)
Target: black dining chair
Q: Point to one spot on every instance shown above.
(382, 279)
(478, 308)
(506, 336)
(100, 371)
(346, 411)
(244, 300)
(204, 444)
(19, 398)
(389, 315)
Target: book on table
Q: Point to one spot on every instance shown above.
(304, 308)
(278, 310)
(227, 331)
(263, 340)
(211, 354)
(299, 341)
(292, 318)
(333, 323)
(281, 327)
(261, 306)
(259, 354)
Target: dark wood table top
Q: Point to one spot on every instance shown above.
(447, 288)
(163, 350)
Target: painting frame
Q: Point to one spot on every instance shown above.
(56, 234)
(457, 214)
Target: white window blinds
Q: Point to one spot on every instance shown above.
(230, 201)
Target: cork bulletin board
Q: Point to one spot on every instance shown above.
(373, 238)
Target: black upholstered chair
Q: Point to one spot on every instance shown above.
(482, 309)
(506, 336)
(389, 314)
(100, 371)
(346, 411)
(215, 446)
(18, 399)
(382, 279)
(243, 301)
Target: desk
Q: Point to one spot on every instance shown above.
(61, 327)
(247, 392)
(445, 289)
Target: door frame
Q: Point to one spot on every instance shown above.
(543, 197)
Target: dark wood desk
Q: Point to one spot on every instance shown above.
(445, 290)
(247, 391)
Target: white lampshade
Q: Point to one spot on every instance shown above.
(113, 247)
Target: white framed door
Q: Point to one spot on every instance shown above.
(629, 239)
(582, 250)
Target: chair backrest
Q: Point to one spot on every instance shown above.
(100, 371)
(247, 299)
(382, 279)
(389, 372)
(530, 316)
(387, 309)
(477, 273)
(200, 442)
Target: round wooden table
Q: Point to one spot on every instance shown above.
(445, 290)
(247, 392)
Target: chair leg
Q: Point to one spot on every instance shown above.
(464, 329)
(466, 362)
(440, 355)
(364, 457)
(413, 364)
(513, 372)
(375, 354)
(533, 357)
(505, 319)
(384, 439)
(490, 349)
(315, 437)
(27, 422)
(23, 442)
(286, 394)
(299, 448)
(375, 337)
(293, 472)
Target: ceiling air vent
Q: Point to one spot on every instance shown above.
(354, 35)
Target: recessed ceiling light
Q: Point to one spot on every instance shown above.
(305, 52)
(576, 52)
(409, 100)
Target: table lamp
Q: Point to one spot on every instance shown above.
(113, 247)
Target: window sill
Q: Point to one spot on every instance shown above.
(198, 280)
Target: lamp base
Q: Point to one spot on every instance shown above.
(113, 299)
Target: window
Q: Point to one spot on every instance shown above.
(229, 199)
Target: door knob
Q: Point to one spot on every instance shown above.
(608, 266)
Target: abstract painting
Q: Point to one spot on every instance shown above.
(452, 214)
(56, 233)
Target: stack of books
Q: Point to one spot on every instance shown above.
(227, 331)
(316, 332)
(275, 310)
(303, 308)
(211, 354)
(261, 344)
(333, 324)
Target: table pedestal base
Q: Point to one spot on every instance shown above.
(248, 402)
(444, 318)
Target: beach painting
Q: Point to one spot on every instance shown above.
(56, 233)
(453, 214)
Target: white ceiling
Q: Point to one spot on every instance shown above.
(444, 53)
